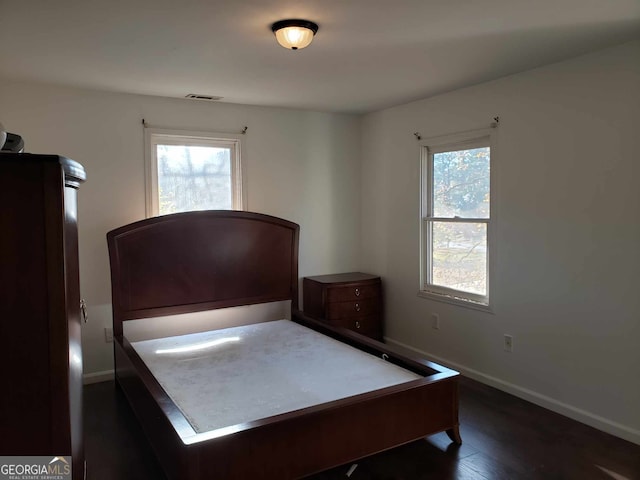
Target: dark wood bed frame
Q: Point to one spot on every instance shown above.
(198, 261)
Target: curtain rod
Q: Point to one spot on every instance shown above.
(494, 124)
(146, 125)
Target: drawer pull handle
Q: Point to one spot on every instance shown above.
(357, 324)
(83, 310)
(357, 307)
(357, 292)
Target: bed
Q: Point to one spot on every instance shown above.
(189, 284)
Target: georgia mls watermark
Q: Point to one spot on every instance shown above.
(35, 468)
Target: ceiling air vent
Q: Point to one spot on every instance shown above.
(196, 96)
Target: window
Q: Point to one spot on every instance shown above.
(192, 171)
(456, 215)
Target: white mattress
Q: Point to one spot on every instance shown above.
(226, 377)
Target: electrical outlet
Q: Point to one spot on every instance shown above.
(508, 343)
(435, 321)
(108, 334)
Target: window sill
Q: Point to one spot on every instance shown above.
(455, 301)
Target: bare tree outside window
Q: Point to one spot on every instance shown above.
(193, 178)
(192, 170)
(456, 212)
(460, 191)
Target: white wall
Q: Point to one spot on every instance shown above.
(568, 233)
(303, 166)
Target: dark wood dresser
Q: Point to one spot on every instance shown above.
(41, 354)
(349, 300)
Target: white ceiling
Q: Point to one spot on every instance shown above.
(367, 55)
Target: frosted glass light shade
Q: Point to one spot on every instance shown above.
(294, 34)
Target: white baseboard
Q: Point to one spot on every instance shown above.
(97, 377)
(549, 403)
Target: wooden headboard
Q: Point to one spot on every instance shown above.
(189, 262)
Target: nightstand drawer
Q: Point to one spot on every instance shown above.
(365, 325)
(358, 292)
(338, 310)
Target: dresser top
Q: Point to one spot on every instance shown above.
(74, 173)
(343, 277)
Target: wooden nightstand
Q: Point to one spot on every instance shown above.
(349, 300)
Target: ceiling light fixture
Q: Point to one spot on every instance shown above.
(294, 34)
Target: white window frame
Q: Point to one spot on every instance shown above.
(446, 143)
(158, 136)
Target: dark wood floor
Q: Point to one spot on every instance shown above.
(503, 437)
